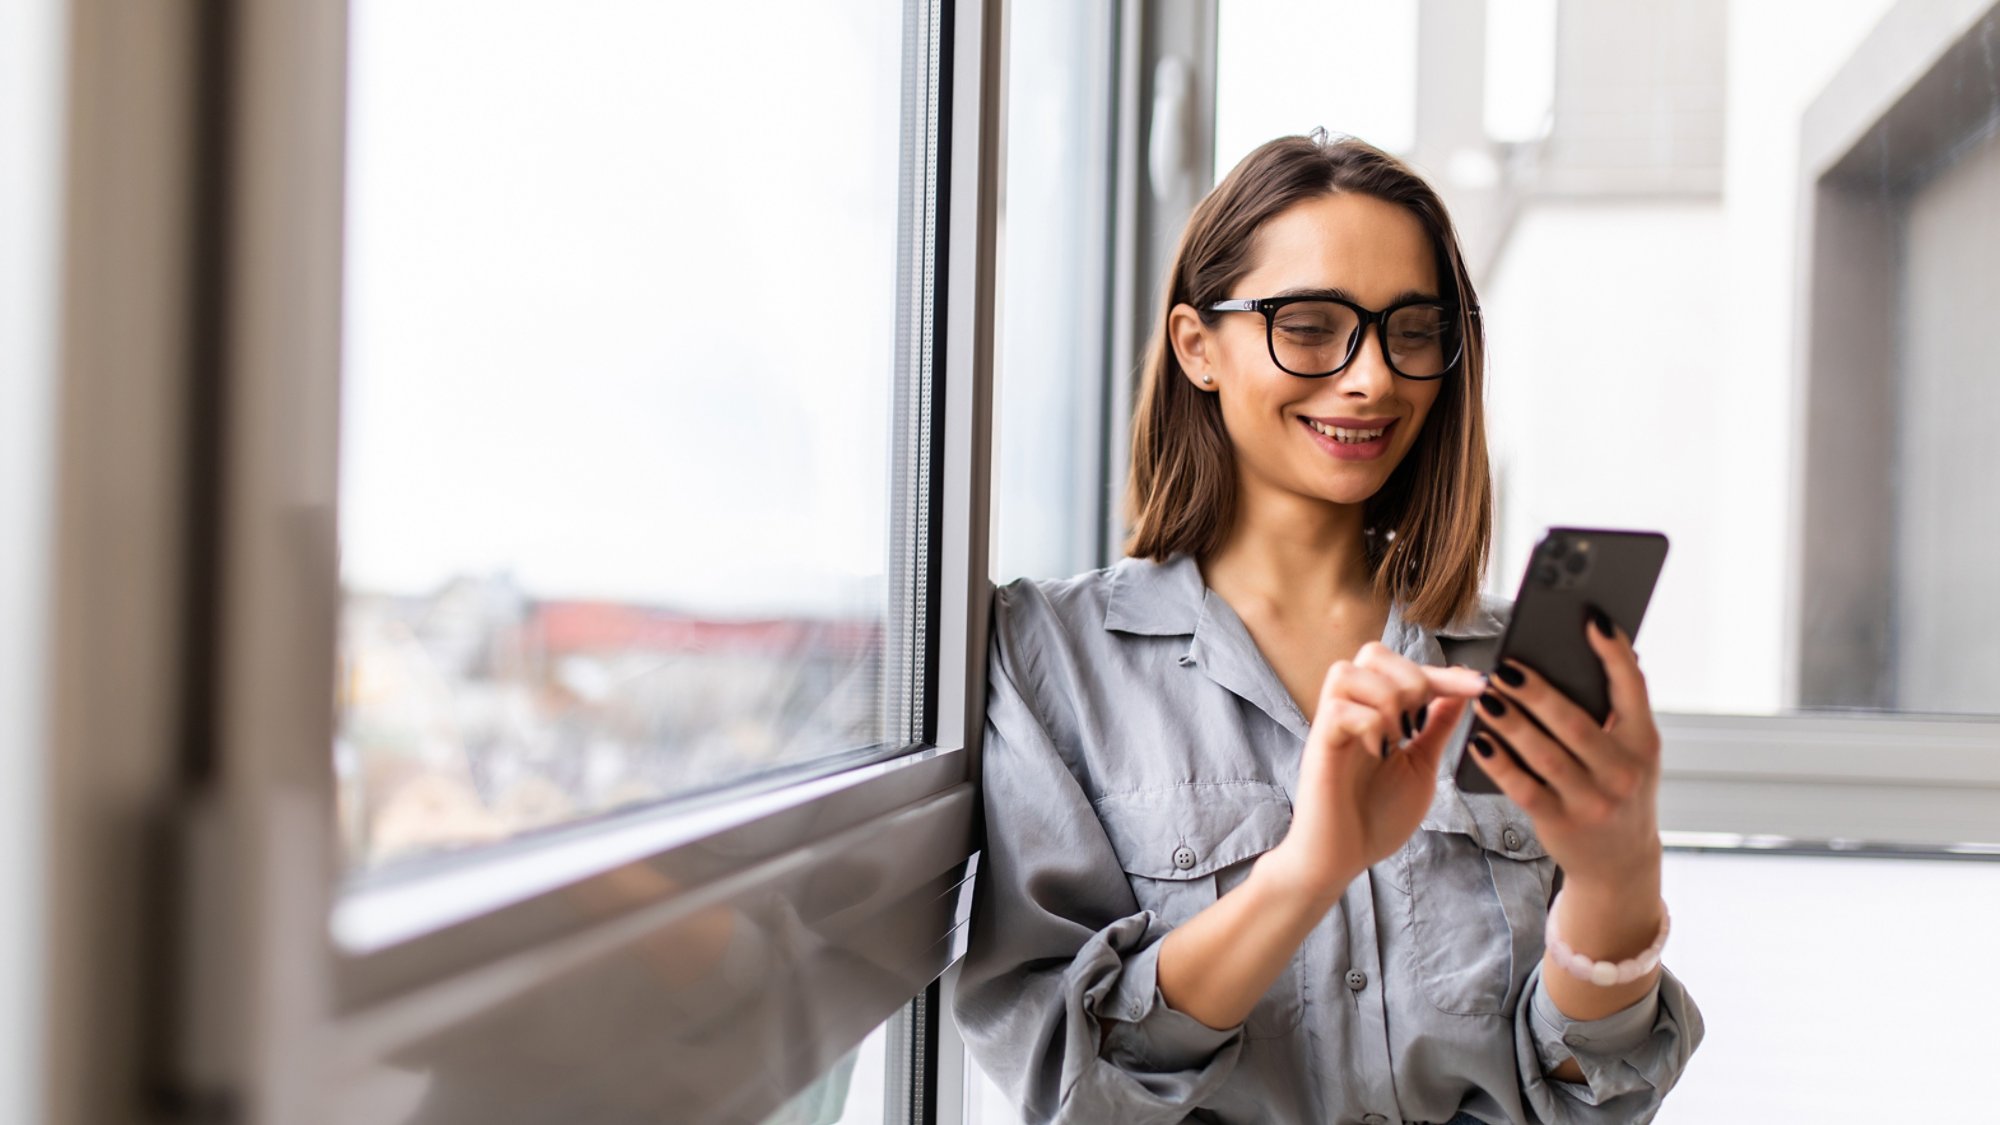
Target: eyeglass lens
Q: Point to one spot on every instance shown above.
(1318, 337)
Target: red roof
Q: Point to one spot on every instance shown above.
(619, 627)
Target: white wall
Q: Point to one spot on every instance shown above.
(31, 45)
(1835, 991)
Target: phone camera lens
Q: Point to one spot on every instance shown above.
(1576, 564)
(1547, 574)
(1557, 548)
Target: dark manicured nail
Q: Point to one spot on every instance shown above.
(1423, 716)
(1408, 730)
(1510, 675)
(1601, 621)
(1484, 747)
(1493, 705)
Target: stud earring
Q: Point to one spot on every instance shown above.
(1206, 379)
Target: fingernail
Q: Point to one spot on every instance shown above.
(1493, 705)
(1385, 746)
(1510, 675)
(1423, 715)
(1601, 621)
(1484, 747)
(1408, 730)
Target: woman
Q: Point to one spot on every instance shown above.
(1226, 874)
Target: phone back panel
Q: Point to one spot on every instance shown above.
(1571, 570)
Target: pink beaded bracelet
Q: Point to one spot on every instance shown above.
(1604, 972)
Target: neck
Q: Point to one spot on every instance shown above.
(1294, 557)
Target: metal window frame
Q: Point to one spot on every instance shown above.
(261, 1015)
(1839, 782)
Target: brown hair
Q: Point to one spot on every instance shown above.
(1431, 523)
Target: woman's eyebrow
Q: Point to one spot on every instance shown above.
(1344, 295)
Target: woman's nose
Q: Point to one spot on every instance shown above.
(1368, 376)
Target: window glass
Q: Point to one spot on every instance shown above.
(1704, 321)
(619, 381)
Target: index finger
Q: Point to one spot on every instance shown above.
(1408, 676)
(1420, 680)
(1455, 680)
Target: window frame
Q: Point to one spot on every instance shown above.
(257, 874)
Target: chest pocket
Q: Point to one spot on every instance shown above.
(1184, 846)
(1477, 900)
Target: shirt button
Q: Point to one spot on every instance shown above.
(1512, 839)
(1185, 660)
(1183, 858)
(1374, 1119)
(1356, 979)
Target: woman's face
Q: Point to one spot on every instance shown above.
(1374, 253)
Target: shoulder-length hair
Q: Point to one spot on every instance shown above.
(1431, 523)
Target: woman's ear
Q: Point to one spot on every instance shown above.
(1193, 345)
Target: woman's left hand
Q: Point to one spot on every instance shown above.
(1596, 807)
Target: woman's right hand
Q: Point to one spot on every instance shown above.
(1362, 787)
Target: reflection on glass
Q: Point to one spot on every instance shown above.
(619, 339)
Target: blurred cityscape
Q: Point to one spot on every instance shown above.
(476, 711)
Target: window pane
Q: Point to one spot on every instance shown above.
(1674, 323)
(1732, 282)
(620, 378)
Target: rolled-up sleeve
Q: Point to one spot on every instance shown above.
(1058, 995)
(1629, 1059)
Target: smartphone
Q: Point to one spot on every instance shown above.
(1571, 570)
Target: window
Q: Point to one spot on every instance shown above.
(652, 592)
(620, 393)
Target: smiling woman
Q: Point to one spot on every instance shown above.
(1224, 873)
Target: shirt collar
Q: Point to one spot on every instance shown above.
(1164, 599)
(1156, 599)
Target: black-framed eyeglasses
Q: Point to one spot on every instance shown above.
(1314, 337)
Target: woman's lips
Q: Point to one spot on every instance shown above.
(1356, 450)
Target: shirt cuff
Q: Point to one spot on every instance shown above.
(1599, 1046)
(1163, 1035)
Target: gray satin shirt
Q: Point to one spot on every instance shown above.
(1139, 754)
